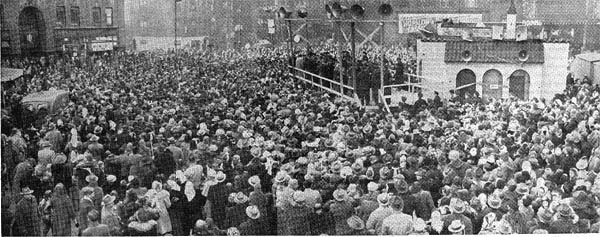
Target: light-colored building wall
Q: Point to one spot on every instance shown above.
(546, 79)
(555, 68)
(432, 66)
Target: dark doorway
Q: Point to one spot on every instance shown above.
(519, 84)
(492, 85)
(463, 78)
(32, 29)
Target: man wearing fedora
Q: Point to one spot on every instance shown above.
(565, 220)
(27, 219)
(458, 208)
(55, 138)
(254, 225)
(321, 220)
(216, 200)
(46, 153)
(94, 227)
(293, 219)
(235, 215)
(92, 181)
(409, 200)
(378, 215)
(341, 209)
(357, 225)
(23, 174)
(397, 223)
(86, 205)
(543, 219)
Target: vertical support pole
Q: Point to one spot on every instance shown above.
(381, 53)
(339, 53)
(290, 42)
(354, 64)
(175, 24)
(587, 25)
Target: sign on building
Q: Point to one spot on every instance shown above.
(101, 46)
(410, 23)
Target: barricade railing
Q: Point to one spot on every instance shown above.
(384, 101)
(324, 83)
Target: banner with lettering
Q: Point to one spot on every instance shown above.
(409, 23)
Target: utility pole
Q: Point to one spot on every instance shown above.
(339, 53)
(587, 25)
(175, 24)
(354, 64)
(382, 56)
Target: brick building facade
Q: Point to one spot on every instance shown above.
(45, 26)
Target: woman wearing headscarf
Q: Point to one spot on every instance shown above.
(61, 211)
(194, 201)
(160, 199)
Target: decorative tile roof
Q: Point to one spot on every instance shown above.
(494, 51)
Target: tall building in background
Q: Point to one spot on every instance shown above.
(32, 27)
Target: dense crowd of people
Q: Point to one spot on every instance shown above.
(228, 144)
